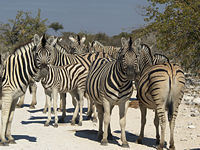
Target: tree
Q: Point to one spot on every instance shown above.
(21, 29)
(56, 26)
(177, 27)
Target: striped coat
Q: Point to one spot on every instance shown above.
(160, 87)
(62, 79)
(109, 83)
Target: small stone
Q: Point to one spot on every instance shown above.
(183, 139)
(196, 101)
(191, 127)
(198, 135)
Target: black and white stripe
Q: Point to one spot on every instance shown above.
(62, 79)
(109, 83)
(19, 71)
(160, 87)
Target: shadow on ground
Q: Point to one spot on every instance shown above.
(92, 135)
(150, 142)
(25, 137)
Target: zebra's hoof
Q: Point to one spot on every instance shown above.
(171, 147)
(59, 110)
(125, 145)
(18, 106)
(44, 111)
(12, 141)
(46, 124)
(139, 141)
(94, 120)
(4, 144)
(104, 142)
(159, 147)
(32, 107)
(55, 125)
(73, 123)
(80, 123)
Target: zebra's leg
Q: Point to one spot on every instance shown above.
(100, 116)
(21, 101)
(75, 114)
(81, 94)
(110, 136)
(63, 99)
(55, 99)
(6, 106)
(89, 111)
(106, 120)
(75, 102)
(60, 109)
(123, 107)
(8, 131)
(48, 102)
(162, 121)
(143, 111)
(156, 123)
(45, 105)
(33, 89)
(94, 112)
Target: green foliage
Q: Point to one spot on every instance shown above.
(21, 29)
(56, 26)
(177, 28)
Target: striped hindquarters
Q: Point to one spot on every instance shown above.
(161, 85)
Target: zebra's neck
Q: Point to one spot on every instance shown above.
(120, 74)
(20, 67)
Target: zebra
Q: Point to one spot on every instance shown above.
(61, 58)
(32, 89)
(109, 83)
(77, 45)
(19, 71)
(96, 46)
(160, 59)
(61, 79)
(160, 87)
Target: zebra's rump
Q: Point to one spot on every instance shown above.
(158, 83)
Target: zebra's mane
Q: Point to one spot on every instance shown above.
(98, 43)
(17, 47)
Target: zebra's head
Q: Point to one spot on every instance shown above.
(77, 44)
(145, 58)
(128, 59)
(45, 50)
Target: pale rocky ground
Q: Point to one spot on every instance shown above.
(29, 131)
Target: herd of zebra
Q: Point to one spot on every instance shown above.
(104, 75)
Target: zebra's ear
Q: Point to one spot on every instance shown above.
(60, 39)
(54, 42)
(72, 39)
(36, 39)
(83, 40)
(124, 42)
(50, 39)
(137, 42)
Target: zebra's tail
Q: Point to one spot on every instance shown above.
(170, 108)
(169, 103)
(30, 89)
